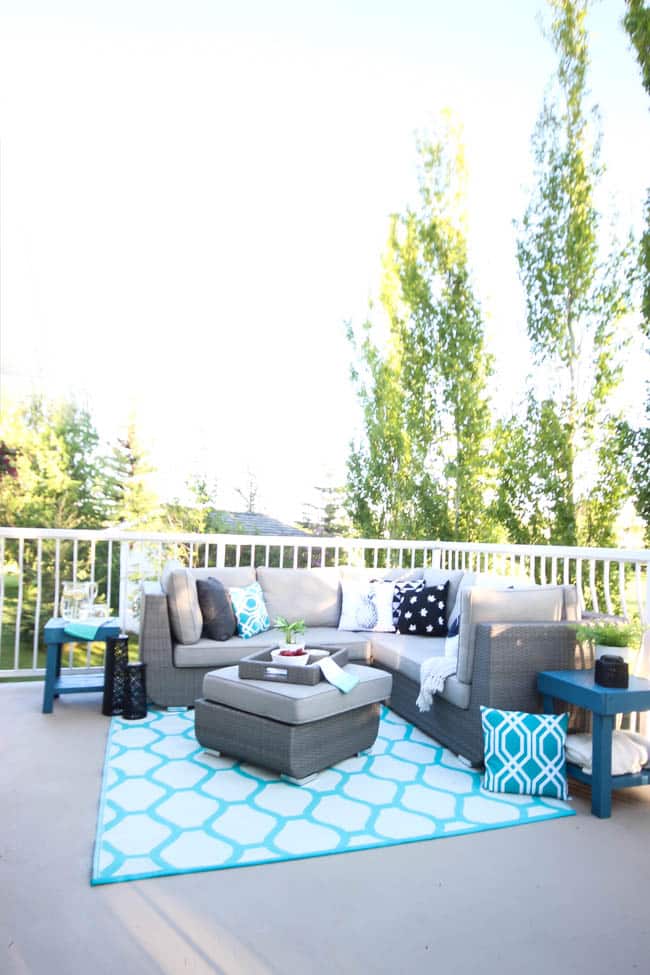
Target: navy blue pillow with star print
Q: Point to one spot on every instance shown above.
(400, 590)
(424, 613)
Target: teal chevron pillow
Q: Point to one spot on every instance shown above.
(524, 753)
(250, 610)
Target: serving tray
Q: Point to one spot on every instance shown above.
(261, 666)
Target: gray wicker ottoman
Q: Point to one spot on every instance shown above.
(294, 729)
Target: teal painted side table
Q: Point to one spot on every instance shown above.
(578, 687)
(55, 684)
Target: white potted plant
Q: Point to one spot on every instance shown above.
(609, 637)
(293, 650)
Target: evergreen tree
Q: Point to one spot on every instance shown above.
(327, 518)
(135, 503)
(60, 477)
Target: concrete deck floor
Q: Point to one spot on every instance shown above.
(570, 895)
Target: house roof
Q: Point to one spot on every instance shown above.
(251, 523)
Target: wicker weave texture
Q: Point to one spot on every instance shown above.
(507, 660)
(295, 750)
(167, 685)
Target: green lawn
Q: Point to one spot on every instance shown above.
(26, 647)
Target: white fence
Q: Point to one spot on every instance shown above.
(35, 562)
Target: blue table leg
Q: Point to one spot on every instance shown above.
(601, 762)
(52, 670)
(547, 704)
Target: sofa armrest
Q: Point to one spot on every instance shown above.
(591, 616)
(155, 635)
(509, 656)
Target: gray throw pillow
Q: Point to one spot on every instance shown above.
(219, 622)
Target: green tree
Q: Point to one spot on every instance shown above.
(135, 503)
(638, 445)
(249, 493)
(327, 518)
(637, 24)
(575, 296)
(532, 454)
(423, 463)
(60, 468)
(199, 516)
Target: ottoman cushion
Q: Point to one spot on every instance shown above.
(295, 703)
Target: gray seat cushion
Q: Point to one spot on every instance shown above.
(210, 653)
(295, 703)
(405, 654)
(358, 644)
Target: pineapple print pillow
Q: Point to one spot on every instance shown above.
(424, 613)
(367, 606)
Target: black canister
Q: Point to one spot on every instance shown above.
(135, 693)
(117, 658)
(612, 671)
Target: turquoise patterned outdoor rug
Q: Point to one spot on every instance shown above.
(168, 807)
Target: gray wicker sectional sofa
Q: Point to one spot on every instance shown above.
(506, 638)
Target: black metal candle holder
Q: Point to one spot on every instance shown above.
(117, 658)
(135, 693)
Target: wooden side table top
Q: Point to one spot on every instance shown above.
(579, 687)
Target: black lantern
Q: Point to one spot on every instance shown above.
(135, 693)
(117, 658)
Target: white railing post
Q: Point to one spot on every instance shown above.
(76, 552)
(123, 605)
(220, 559)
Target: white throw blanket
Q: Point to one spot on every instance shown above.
(629, 752)
(433, 674)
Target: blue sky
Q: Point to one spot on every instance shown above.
(194, 199)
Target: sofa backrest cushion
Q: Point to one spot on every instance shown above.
(312, 595)
(487, 580)
(353, 573)
(185, 616)
(536, 605)
(572, 606)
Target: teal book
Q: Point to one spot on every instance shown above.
(337, 676)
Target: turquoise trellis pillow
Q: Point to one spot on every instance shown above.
(524, 753)
(250, 610)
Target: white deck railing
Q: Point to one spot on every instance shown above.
(34, 562)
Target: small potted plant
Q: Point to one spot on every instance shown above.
(293, 651)
(607, 636)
